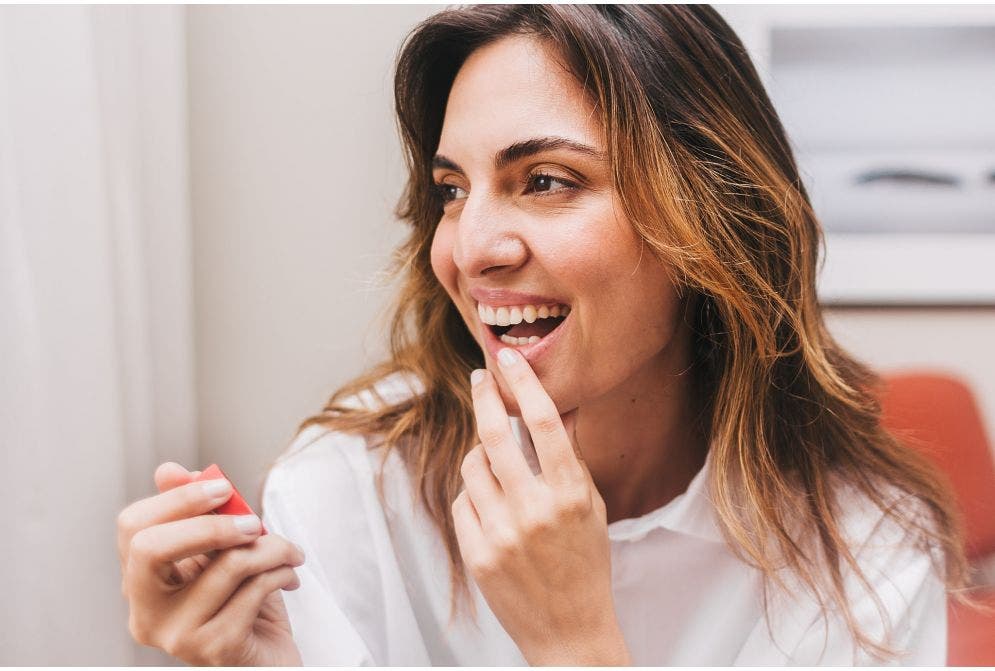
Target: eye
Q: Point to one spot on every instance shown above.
(541, 184)
(537, 183)
(447, 192)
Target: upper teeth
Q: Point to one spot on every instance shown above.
(506, 316)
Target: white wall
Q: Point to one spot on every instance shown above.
(295, 169)
(96, 369)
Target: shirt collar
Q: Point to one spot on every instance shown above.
(691, 513)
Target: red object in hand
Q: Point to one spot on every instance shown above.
(235, 505)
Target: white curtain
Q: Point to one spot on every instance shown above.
(96, 351)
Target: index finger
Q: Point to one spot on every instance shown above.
(494, 429)
(189, 500)
(552, 442)
(155, 549)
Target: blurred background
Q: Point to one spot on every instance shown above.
(196, 210)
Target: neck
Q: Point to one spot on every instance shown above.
(641, 441)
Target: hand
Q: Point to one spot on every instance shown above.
(198, 587)
(537, 546)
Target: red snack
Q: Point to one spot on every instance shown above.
(235, 505)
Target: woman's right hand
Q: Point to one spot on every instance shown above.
(197, 586)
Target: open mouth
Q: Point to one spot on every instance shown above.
(522, 324)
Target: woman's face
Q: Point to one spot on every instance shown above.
(544, 228)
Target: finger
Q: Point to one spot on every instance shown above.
(554, 450)
(183, 501)
(469, 534)
(170, 475)
(154, 549)
(232, 568)
(239, 614)
(484, 490)
(494, 429)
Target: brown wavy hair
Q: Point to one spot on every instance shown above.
(704, 171)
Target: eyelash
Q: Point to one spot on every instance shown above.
(441, 189)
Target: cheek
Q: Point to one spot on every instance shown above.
(442, 258)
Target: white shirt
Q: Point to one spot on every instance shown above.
(375, 587)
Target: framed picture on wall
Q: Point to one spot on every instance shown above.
(891, 111)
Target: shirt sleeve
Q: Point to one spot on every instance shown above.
(310, 498)
(903, 606)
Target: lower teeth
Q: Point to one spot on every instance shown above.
(519, 341)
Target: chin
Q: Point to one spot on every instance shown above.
(509, 400)
(563, 405)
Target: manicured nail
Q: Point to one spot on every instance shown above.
(247, 524)
(216, 488)
(476, 376)
(507, 357)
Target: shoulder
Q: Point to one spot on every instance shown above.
(317, 487)
(894, 588)
(323, 468)
(319, 450)
(317, 458)
(896, 520)
(321, 494)
(893, 544)
(389, 390)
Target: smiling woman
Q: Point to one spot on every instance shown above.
(613, 428)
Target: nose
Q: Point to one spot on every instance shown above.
(487, 242)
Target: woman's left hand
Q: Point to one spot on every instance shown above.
(537, 546)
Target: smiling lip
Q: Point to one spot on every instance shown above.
(502, 297)
(532, 353)
(507, 297)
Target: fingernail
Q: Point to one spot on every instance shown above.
(507, 357)
(476, 376)
(215, 488)
(247, 524)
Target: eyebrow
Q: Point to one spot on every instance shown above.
(523, 149)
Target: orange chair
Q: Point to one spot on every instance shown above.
(938, 414)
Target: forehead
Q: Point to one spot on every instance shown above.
(512, 89)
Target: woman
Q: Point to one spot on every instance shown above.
(613, 428)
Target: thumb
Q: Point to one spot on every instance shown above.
(171, 475)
